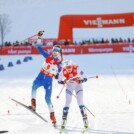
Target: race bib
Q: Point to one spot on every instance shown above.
(51, 68)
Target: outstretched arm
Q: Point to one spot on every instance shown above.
(44, 53)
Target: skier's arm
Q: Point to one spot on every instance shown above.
(59, 67)
(44, 53)
(59, 70)
(81, 78)
(61, 79)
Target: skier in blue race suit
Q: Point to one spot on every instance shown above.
(51, 68)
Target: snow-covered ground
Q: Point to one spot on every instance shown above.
(110, 97)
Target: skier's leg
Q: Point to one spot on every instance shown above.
(49, 103)
(84, 115)
(35, 86)
(66, 107)
(64, 117)
(79, 95)
(48, 88)
(68, 97)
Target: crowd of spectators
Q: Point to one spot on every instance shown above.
(102, 40)
(67, 42)
(17, 44)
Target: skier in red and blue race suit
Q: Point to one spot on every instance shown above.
(51, 68)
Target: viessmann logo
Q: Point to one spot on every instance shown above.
(100, 22)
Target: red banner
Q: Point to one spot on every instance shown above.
(106, 48)
(74, 49)
(16, 50)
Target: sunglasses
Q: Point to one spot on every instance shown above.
(56, 49)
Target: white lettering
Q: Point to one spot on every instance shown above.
(100, 22)
(105, 21)
(111, 22)
(24, 52)
(122, 21)
(65, 50)
(128, 49)
(11, 51)
(100, 50)
(87, 22)
(68, 50)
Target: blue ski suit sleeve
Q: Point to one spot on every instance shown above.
(44, 53)
(59, 67)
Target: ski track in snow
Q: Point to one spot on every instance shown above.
(110, 97)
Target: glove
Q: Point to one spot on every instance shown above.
(61, 82)
(40, 33)
(83, 80)
(56, 76)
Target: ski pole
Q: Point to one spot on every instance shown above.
(85, 107)
(40, 33)
(60, 91)
(64, 86)
(90, 112)
(89, 77)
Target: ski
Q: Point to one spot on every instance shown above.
(32, 111)
(4, 131)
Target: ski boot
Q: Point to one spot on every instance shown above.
(84, 116)
(53, 119)
(64, 119)
(85, 121)
(33, 105)
(63, 124)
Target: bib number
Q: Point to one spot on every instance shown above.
(50, 68)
